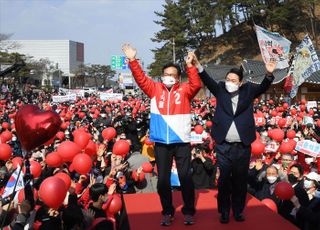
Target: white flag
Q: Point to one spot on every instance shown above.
(305, 62)
(273, 46)
(12, 181)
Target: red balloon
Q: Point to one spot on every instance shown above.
(35, 169)
(277, 135)
(274, 113)
(65, 177)
(293, 111)
(209, 124)
(258, 135)
(64, 126)
(17, 161)
(35, 127)
(147, 167)
(302, 108)
(109, 133)
(115, 204)
(121, 147)
(5, 136)
(257, 147)
(67, 150)
(271, 102)
(53, 159)
(91, 148)
(284, 190)
(148, 142)
(293, 143)
(82, 139)
(5, 152)
(286, 147)
(5, 125)
(291, 134)
(282, 122)
(270, 204)
(52, 192)
(137, 178)
(60, 135)
(270, 133)
(82, 163)
(198, 129)
(285, 105)
(303, 101)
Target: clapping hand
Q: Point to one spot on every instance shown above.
(129, 51)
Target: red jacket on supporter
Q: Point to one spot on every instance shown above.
(170, 120)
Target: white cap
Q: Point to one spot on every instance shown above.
(313, 176)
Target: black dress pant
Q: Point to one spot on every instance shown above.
(164, 156)
(233, 162)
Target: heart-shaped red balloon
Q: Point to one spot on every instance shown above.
(35, 127)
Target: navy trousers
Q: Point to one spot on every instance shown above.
(233, 162)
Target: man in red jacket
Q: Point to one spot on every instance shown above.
(170, 128)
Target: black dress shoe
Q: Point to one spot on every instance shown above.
(239, 217)
(224, 218)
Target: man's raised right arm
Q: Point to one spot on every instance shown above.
(145, 83)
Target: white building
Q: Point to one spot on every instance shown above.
(67, 55)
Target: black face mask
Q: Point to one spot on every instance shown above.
(292, 179)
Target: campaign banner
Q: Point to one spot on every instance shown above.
(111, 96)
(307, 120)
(198, 138)
(308, 147)
(305, 63)
(311, 104)
(273, 46)
(60, 99)
(272, 147)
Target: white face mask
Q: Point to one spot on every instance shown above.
(231, 87)
(307, 184)
(168, 81)
(308, 160)
(271, 179)
(14, 138)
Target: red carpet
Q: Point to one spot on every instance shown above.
(144, 213)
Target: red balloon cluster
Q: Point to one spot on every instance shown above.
(68, 150)
(284, 190)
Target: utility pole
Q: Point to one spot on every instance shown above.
(173, 51)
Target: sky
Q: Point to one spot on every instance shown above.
(102, 25)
